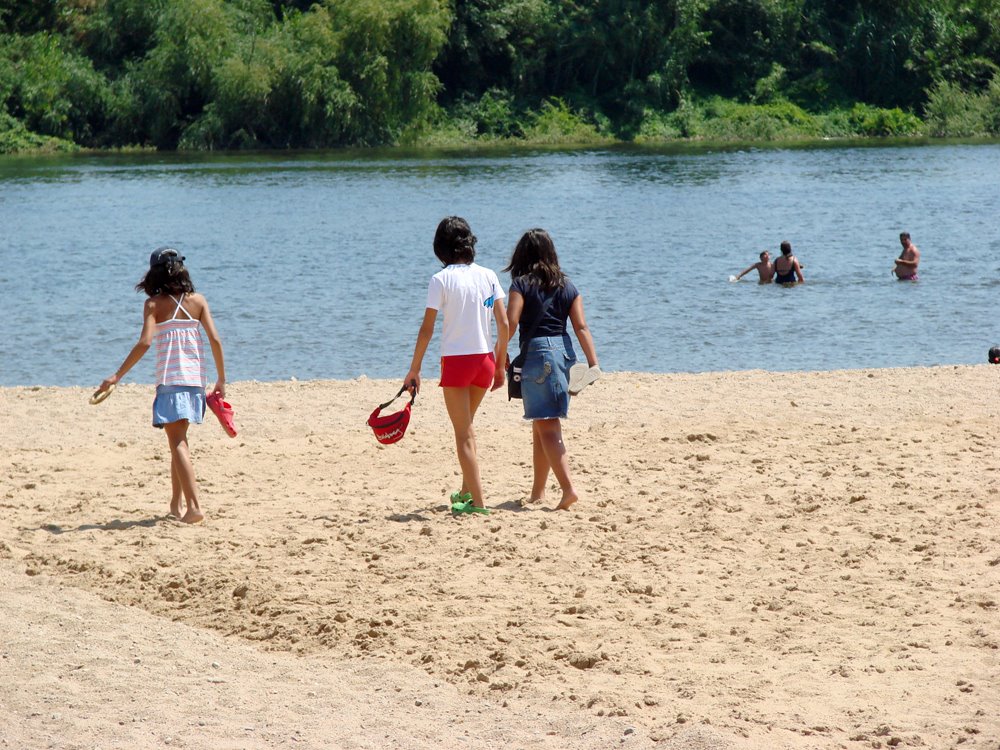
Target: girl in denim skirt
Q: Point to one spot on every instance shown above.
(172, 318)
(540, 302)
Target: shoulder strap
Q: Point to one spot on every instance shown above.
(180, 308)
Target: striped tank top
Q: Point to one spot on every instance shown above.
(179, 350)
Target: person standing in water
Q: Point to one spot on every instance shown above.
(908, 260)
(764, 268)
(786, 268)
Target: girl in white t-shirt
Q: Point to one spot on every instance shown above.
(466, 295)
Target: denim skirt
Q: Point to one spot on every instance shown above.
(545, 377)
(174, 403)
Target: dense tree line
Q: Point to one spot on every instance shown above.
(267, 73)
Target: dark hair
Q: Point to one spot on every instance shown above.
(761, 256)
(535, 256)
(786, 248)
(454, 241)
(904, 235)
(171, 277)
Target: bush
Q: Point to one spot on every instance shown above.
(657, 126)
(951, 111)
(728, 120)
(876, 122)
(556, 123)
(51, 90)
(15, 138)
(495, 117)
(991, 109)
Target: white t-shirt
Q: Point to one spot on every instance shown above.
(464, 295)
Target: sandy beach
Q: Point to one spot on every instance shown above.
(758, 560)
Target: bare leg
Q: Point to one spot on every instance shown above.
(550, 433)
(476, 396)
(459, 402)
(176, 493)
(180, 463)
(540, 464)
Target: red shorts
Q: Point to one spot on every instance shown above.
(463, 370)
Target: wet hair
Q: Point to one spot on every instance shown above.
(904, 235)
(454, 241)
(786, 248)
(535, 257)
(761, 256)
(171, 277)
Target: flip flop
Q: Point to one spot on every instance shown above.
(580, 376)
(460, 497)
(223, 411)
(100, 396)
(466, 506)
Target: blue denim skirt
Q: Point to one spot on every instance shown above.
(545, 377)
(176, 402)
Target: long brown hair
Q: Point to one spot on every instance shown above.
(535, 256)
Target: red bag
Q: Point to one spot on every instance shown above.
(392, 427)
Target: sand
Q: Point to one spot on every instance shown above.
(758, 560)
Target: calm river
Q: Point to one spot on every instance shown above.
(316, 265)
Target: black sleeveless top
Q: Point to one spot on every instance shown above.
(553, 323)
(789, 276)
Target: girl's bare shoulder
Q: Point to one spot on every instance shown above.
(195, 303)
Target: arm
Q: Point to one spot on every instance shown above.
(140, 348)
(798, 271)
(579, 322)
(514, 313)
(423, 339)
(503, 336)
(903, 262)
(744, 273)
(216, 343)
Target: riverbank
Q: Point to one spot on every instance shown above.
(758, 560)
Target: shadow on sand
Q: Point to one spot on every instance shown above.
(116, 525)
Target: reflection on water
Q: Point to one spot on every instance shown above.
(316, 265)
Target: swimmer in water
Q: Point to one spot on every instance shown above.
(908, 260)
(765, 269)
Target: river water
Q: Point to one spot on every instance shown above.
(316, 264)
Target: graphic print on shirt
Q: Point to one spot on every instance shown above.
(488, 302)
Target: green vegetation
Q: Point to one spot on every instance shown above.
(233, 74)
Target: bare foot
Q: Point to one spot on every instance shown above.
(175, 508)
(193, 516)
(568, 499)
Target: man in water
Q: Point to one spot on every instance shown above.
(765, 269)
(908, 260)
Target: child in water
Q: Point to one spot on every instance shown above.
(466, 294)
(172, 317)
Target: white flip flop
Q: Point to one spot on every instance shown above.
(100, 396)
(580, 376)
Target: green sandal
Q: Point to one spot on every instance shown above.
(467, 507)
(460, 501)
